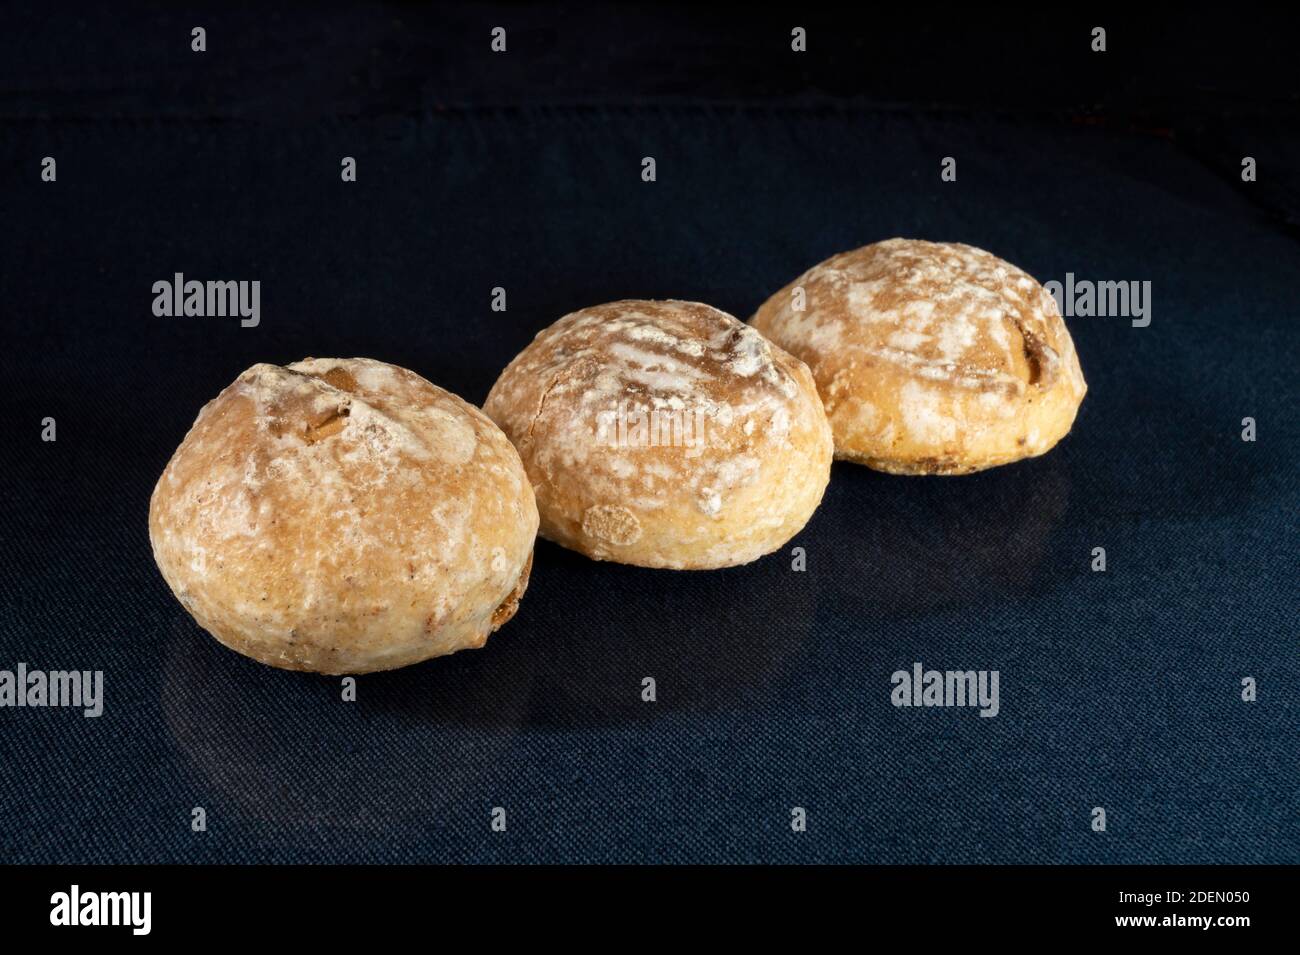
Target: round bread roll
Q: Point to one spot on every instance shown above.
(931, 357)
(344, 516)
(665, 434)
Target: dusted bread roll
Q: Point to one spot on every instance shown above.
(665, 434)
(344, 516)
(931, 357)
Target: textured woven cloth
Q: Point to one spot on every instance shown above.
(1120, 690)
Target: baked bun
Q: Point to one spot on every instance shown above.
(931, 357)
(665, 434)
(344, 516)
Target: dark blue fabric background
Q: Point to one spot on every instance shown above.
(1119, 690)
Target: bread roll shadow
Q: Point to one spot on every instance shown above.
(714, 641)
(907, 546)
(591, 632)
(286, 749)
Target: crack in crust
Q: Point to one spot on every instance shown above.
(331, 424)
(664, 434)
(510, 606)
(1044, 363)
(931, 358)
(582, 367)
(315, 528)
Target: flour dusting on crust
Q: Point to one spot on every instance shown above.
(929, 355)
(747, 408)
(343, 515)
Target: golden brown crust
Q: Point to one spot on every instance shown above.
(665, 434)
(510, 606)
(343, 516)
(930, 357)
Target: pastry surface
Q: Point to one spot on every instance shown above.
(930, 357)
(344, 516)
(665, 434)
